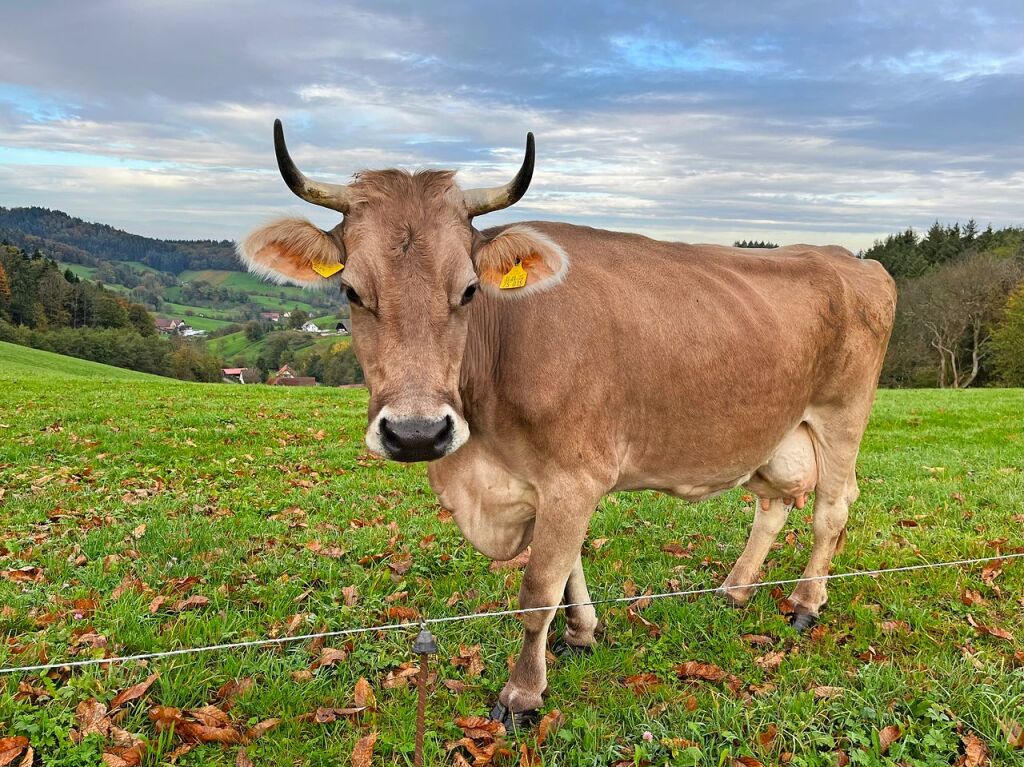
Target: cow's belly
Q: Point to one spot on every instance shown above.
(494, 509)
(681, 486)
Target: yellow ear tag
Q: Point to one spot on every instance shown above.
(326, 270)
(514, 277)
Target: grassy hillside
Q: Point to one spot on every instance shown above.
(19, 363)
(261, 505)
(100, 252)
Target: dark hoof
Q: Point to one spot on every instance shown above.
(514, 720)
(802, 620)
(563, 649)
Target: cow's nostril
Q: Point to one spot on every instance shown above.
(416, 439)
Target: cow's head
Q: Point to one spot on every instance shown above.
(408, 258)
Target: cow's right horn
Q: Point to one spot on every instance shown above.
(333, 196)
(486, 200)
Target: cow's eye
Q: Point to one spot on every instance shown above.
(353, 297)
(468, 293)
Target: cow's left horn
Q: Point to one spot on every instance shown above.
(480, 201)
(333, 196)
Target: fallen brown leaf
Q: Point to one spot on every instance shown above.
(363, 694)
(91, 717)
(362, 754)
(767, 736)
(825, 692)
(469, 657)
(641, 683)
(696, 670)
(1014, 734)
(975, 752)
(11, 748)
(549, 725)
(887, 736)
(243, 760)
(133, 693)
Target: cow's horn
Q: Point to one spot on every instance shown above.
(333, 196)
(480, 201)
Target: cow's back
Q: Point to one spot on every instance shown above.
(699, 356)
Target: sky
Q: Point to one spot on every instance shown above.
(820, 122)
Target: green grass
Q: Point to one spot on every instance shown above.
(20, 363)
(237, 485)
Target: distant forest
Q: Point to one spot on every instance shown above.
(45, 308)
(960, 314)
(73, 241)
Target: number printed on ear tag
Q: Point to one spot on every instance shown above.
(326, 270)
(514, 278)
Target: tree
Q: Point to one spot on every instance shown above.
(1008, 341)
(297, 319)
(5, 284)
(254, 330)
(954, 309)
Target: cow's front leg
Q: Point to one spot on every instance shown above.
(555, 551)
(580, 620)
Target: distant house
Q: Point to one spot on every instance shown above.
(240, 375)
(340, 328)
(271, 316)
(310, 327)
(190, 332)
(286, 377)
(170, 327)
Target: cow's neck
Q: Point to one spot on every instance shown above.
(480, 362)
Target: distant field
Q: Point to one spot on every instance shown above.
(262, 501)
(19, 363)
(235, 346)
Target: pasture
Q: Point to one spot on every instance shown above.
(146, 515)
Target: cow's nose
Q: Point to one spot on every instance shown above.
(416, 439)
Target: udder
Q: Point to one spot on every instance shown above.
(792, 471)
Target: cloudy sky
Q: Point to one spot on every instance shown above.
(795, 121)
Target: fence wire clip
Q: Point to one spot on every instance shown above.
(424, 646)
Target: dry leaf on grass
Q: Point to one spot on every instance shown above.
(133, 693)
(827, 693)
(887, 736)
(549, 725)
(975, 752)
(91, 717)
(243, 760)
(641, 683)
(469, 658)
(362, 754)
(696, 670)
(1014, 733)
(363, 694)
(11, 748)
(767, 736)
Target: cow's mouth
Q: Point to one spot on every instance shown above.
(412, 438)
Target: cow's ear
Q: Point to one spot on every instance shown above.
(294, 250)
(519, 261)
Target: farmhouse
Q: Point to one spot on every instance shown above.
(241, 375)
(311, 327)
(169, 326)
(271, 316)
(286, 377)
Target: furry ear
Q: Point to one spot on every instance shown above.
(294, 250)
(541, 259)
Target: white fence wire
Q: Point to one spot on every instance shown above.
(487, 615)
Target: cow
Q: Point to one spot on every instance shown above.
(539, 366)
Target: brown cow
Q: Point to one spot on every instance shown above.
(623, 363)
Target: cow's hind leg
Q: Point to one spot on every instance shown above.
(581, 620)
(837, 435)
(769, 518)
(785, 480)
